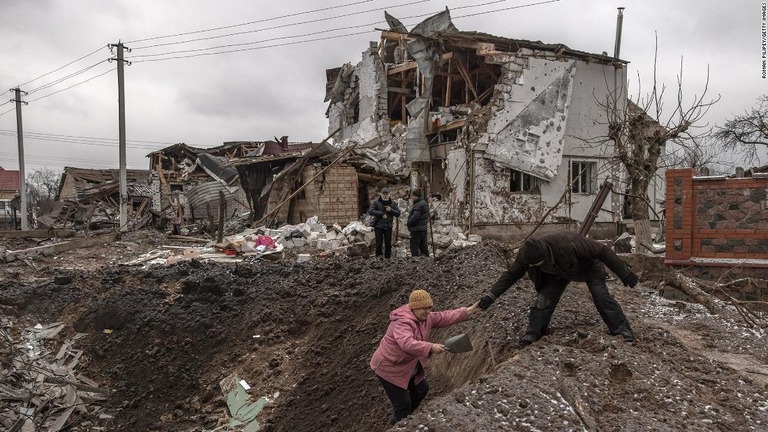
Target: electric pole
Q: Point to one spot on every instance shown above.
(22, 180)
(121, 118)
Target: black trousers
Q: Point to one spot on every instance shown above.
(404, 401)
(383, 238)
(419, 243)
(550, 288)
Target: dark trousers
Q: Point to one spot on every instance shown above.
(383, 238)
(550, 288)
(419, 243)
(405, 401)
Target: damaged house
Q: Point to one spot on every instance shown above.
(499, 130)
(289, 183)
(92, 197)
(187, 181)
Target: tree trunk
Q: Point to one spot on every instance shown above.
(639, 189)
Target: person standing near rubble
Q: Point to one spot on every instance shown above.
(384, 210)
(554, 260)
(418, 218)
(401, 359)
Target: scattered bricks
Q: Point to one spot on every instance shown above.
(323, 244)
(474, 238)
(331, 235)
(305, 229)
(288, 243)
(321, 236)
(303, 258)
(369, 238)
(299, 242)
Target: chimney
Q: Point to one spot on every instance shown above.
(619, 21)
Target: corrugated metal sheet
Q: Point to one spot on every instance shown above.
(208, 193)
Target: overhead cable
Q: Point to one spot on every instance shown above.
(73, 85)
(282, 25)
(58, 69)
(249, 23)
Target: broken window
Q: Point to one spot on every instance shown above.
(522, 182)
(2, 205)
(583, 177)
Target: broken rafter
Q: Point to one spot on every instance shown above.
(411, 64)
(467, 79)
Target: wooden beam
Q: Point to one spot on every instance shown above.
(395, 36)
(38, 233)
(301, 188)
(467, 79)
(62, 247)
(411, 64)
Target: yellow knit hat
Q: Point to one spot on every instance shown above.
(419, 299)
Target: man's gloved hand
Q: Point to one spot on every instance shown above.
(486, 300)
(630, 280)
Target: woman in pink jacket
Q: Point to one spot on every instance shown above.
(401, 360)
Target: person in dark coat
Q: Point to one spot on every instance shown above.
(552, 261)
(384, 210)
(417, 224)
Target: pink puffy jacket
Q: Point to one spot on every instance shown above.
(406, 343)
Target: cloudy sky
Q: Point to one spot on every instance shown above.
(274, 84)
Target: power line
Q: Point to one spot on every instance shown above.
(249, 23)
(6, 112)
(303, 35)
(110, 143)
(58, 69)
(283, 25)
(327, 37)
(60, 80)
(73, 85)
(95, 139)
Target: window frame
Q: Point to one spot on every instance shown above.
(526, 183)
(586, 183)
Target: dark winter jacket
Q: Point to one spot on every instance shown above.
(418, 216)
(377, 210)
(571, 256)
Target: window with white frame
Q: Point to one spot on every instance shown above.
(522, 182)
(583, 177)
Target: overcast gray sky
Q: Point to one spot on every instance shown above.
(273, 91)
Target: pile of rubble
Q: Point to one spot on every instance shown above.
(41, 389)
(386, 156)
(305, 240)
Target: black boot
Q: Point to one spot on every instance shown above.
(528, 339)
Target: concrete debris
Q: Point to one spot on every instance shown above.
(43, 391)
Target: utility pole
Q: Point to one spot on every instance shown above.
(22, 180)
(121, 119)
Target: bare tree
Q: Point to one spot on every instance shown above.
(42, 184)
(640, 130)
(747, 132)
(700, 153)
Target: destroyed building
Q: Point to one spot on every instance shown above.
(498, 129)
(291, 183)
(92, 196)
(187, 181)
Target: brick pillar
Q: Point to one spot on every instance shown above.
(679, 215)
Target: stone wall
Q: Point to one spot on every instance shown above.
(332, 197)
(716, 221)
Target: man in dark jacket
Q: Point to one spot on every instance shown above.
(384, 210)
(552, 261)
(417, 224)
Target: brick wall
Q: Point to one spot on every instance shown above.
(719, 220)
(332, 197)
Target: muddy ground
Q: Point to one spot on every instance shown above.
(302, 334)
